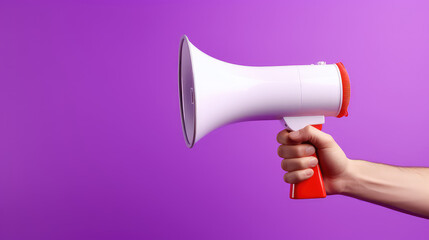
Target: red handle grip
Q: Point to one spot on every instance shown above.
(312, 187)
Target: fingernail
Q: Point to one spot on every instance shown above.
(294, 134)
(310, 150)
(312, 162)
(309, 172)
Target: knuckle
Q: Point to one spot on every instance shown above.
(284, 165)
(278, 138)
(329, 140)
(288, 177)
(297, 151)
(293, 164)
(281, 137)
(307, 129)
(280, 151)
(302, 164)
(299, 163)
(302, 151)
(329, 137)
(305, 174)
(301, 175)
(292, 151)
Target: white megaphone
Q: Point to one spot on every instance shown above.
(214, 93)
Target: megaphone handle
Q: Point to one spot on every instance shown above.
(312, 187)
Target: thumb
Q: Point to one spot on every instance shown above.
(313, 135)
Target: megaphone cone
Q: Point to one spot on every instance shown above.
(214, 93)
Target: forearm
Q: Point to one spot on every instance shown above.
(401, 188)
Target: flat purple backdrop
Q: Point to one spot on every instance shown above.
(91, 144)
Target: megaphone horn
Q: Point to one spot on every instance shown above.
(214, 93)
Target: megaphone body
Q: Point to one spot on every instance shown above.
(214, 93)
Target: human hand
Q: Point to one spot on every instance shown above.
(296, 150)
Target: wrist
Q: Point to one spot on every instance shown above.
(345, 182)
(349, 181)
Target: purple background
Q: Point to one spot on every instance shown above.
(91, 144)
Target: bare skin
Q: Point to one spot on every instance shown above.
(403, 189)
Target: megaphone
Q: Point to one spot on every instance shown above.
(214, 93)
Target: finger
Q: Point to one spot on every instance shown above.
(296, 151)
(298, 176)
(282, 136)
(311, 134)
(294, 164)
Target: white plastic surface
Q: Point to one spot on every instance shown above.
(297, 123)
(226, 93)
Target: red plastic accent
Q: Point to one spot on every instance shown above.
(312, 187)
(346, 90)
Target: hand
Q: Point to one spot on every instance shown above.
(297, 148)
